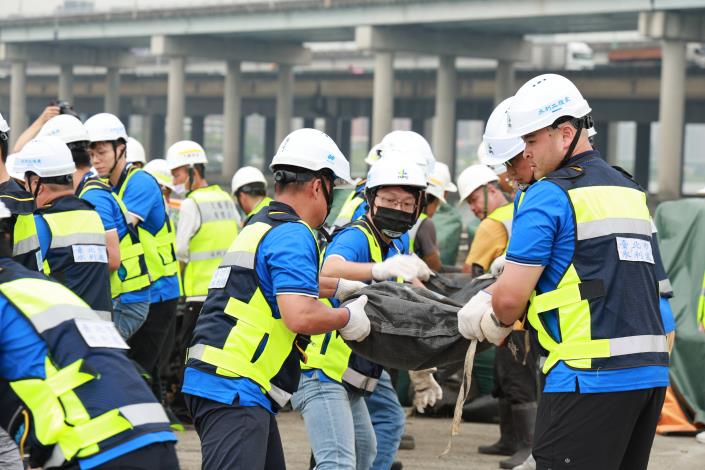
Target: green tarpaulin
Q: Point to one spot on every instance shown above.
(681, 232)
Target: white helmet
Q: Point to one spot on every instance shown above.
(373, 154)
(395, 171)
(497, 147)
(10, 166)
(542, 100)
(411, 145)
(45, 156)
(135, 151)
(473, 177)
(105, 127)
(66, 127)
(440, 182)
(185, 153)
(3, 125)
(246, 175)
(313, 150)
(159, 168)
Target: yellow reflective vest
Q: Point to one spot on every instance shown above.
(353, 201)
(88, 399)
(208, 245)
(237, 333)
(132, 275)
(262, 204)
(607, 301)
(159, 248)
(77, 255)
(504, 215)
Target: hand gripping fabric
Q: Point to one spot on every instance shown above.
(412, 328)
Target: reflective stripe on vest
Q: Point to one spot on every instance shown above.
(241, 352)
(77, 255)
(160, 248)
(504, 215)
(606, 211)
(73, 227)
(132, 262)
(414, 230)
(348, 210)
(59, 416)
(209, 244)
(25, 235)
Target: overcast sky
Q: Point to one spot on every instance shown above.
(47, 7)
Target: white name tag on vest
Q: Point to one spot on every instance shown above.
(89, 254)
(634, 249)
(220, 278)
(100, 334)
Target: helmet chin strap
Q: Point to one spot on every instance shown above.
(485, 194)
(117, 158)
(580, 124)
(190, 178)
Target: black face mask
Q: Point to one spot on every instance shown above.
(393, 223)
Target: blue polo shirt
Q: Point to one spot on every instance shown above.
(113, 219)
(143, 198)
(286, 263)
(543, 234)
(22, 355)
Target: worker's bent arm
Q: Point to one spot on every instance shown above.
(337, 266)
(327, 287)
(306, 315)
(511, 292)
(113, 246)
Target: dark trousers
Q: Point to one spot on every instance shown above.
(606, 431)
(235, 437)
(157, 456)
(515, 369)
(148, 346)
(184, 331)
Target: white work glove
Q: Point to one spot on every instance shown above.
(423, 272)
(426, 390)
(497, 266)
(494, 331)
(476, 320)
(358, 326)
(346, 288)
(470, 316)
(404, 266)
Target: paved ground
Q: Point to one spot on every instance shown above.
(668, 453)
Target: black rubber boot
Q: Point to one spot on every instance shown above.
(524, 417)
(507, 443)
(407, 442)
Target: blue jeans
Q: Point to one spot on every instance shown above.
(338, 424)
(388, 420)
(129, 317)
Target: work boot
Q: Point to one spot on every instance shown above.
(507, 443)
(524, 417)
(407, 442)
(529, 464)
(396, 466)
